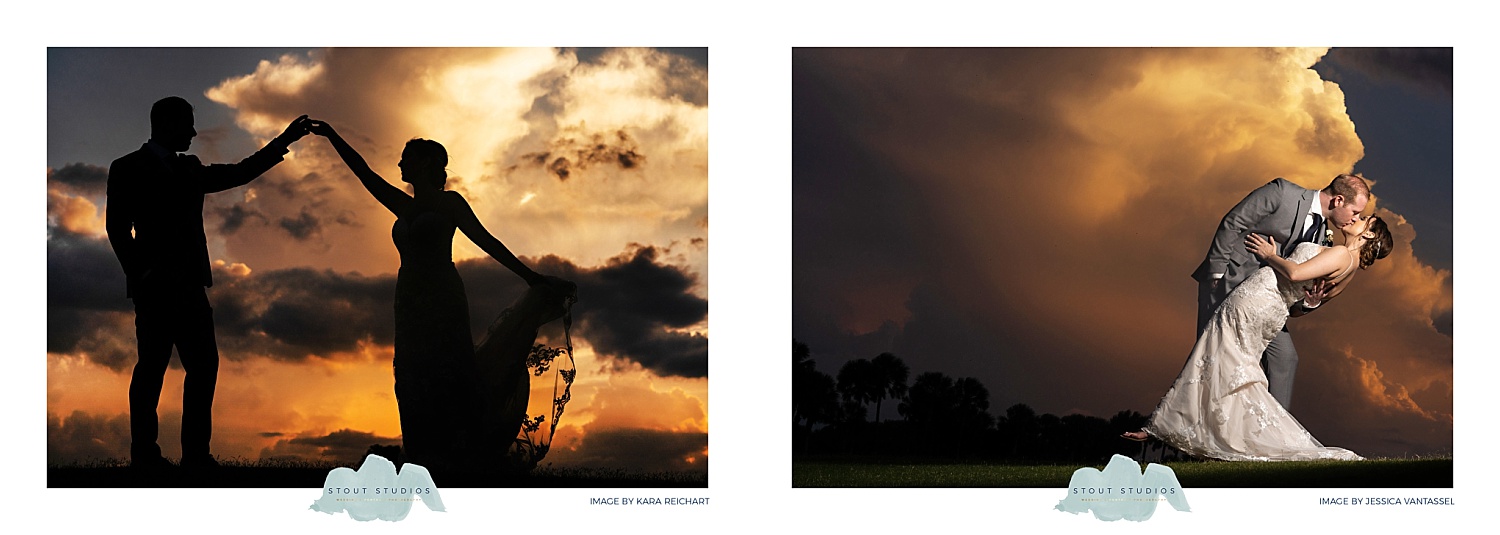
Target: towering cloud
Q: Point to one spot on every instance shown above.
(557, 156)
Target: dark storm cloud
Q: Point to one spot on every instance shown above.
(629, 309)
(570, 153)
(307, 195)
(345, 443)
(286, 314)
(107, 338)
(234, 216)
(87, 438)
(304, 226)
(83, 437)
(343, 446)
(299, 313)
(82, 273)
(643, 450)
(86, 306)
(1429, 69)
(79, 178)
(309, 188)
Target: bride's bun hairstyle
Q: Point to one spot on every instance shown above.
(433, 157)
(1377, 247)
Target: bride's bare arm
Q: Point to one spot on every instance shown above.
(464, 218)
(391, 197)
(1329, 262)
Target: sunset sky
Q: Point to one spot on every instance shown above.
(1031, 217)
(305, 268)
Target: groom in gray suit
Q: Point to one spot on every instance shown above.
(1289, 214)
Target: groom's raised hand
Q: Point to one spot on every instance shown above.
(1313, 296)
(293, 132)
(1315, 293)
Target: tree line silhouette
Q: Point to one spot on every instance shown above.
(942, 418)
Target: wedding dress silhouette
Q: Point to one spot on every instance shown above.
(457, 411)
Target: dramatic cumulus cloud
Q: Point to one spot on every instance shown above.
(74, 194)
(634, 308)
(1030, 217)
(641, 311)
(557, 156)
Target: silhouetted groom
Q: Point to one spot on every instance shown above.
(154, 217)
(1289, 214)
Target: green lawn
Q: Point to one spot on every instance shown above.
(1379, 473)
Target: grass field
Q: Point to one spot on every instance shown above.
(1378, 473)
(263, 474)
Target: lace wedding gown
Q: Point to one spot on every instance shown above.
(1219, 406)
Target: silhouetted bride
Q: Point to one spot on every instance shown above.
(1219, 406)
(448, 401)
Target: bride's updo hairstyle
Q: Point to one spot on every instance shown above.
(432, 160)
(1377, 247)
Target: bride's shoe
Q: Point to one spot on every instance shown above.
(1138, 436)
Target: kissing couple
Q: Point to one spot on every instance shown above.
(1272, 258)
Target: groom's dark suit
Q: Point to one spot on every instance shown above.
(1278, 209)
(154, 218)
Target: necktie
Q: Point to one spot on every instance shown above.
(1315, 230)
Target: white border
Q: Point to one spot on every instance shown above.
(750, 287)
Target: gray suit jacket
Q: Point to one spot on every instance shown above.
(1277, 209)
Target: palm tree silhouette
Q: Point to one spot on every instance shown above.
(859, 383)
(814, 394)
(891, 373)
(865, 381)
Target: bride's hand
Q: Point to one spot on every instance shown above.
(1259, 246)
(321, 128)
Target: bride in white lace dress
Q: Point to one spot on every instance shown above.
(1219, 406)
